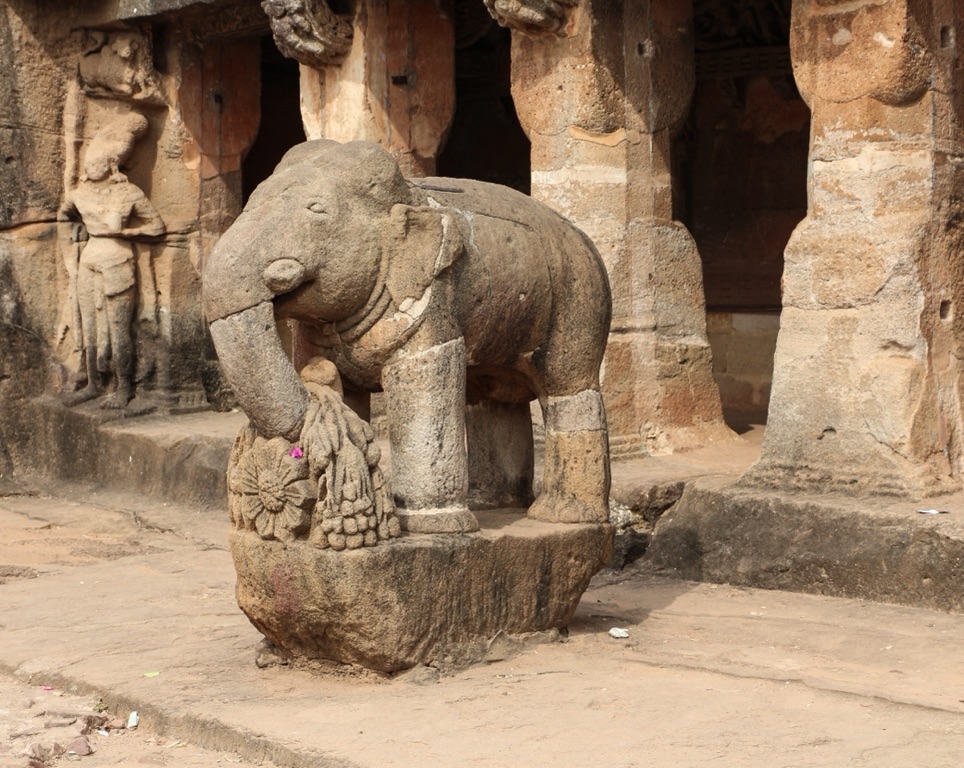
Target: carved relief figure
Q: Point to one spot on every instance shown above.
(117, 65)
(114, 213)
(441, 292)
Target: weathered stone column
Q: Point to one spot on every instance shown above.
(867, 381)
(385, 75)
(599, 101)
(391, 82)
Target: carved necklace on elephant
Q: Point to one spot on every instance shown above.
(361, 343)
(357, 325)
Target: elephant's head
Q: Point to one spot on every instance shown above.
(314, 242)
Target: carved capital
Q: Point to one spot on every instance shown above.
(533, 17)
(308, 31)
(842, 52)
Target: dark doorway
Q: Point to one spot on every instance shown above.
(280, 128)
(486, 141)
(741, 163)
(744, 151)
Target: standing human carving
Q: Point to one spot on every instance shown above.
(115, 214)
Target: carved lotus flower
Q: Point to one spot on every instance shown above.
(271, 490)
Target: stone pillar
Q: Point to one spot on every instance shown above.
(599, 102)
(395, 85)
(868, 376)
(387, 75)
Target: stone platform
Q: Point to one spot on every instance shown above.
(175, 457)
(438, 599)
(878, 548)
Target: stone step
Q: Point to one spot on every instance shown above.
(179, 457)
(878, 548)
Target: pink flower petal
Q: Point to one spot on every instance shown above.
(296, 453)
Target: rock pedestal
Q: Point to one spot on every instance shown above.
(421, 599)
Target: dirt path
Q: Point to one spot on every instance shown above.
(40, 536)
(41, 725)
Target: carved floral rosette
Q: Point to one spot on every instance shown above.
(326, 489)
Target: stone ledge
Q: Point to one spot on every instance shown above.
(873, 548)
(181, 457)
(422, 599)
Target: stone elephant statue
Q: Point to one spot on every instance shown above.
(461, 300)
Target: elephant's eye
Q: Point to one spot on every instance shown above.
(317, 207)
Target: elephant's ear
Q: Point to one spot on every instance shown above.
(422, 243)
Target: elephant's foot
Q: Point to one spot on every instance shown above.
(556, 508)
(447, 520)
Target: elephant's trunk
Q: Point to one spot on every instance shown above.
(264, 380)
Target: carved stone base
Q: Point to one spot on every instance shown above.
(420, 599)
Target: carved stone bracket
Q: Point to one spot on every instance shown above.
(308, 31)
(533, 17)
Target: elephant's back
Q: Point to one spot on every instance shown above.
(561, 244)
(495, 201)
(533, 281)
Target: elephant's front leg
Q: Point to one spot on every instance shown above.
(425, 393)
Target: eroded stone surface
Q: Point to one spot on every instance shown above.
(421, 599)
(534, 17)
(865, 397)
(884, 551)
(308, 31)
(406, 101)
(621, 82)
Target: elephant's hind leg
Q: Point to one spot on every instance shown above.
(576, 475)
(499, 437)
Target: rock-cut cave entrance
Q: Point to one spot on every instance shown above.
(741, 163)
(280, 127)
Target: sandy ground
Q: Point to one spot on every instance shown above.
(45, 724)
(42, 725)
(124, 603)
